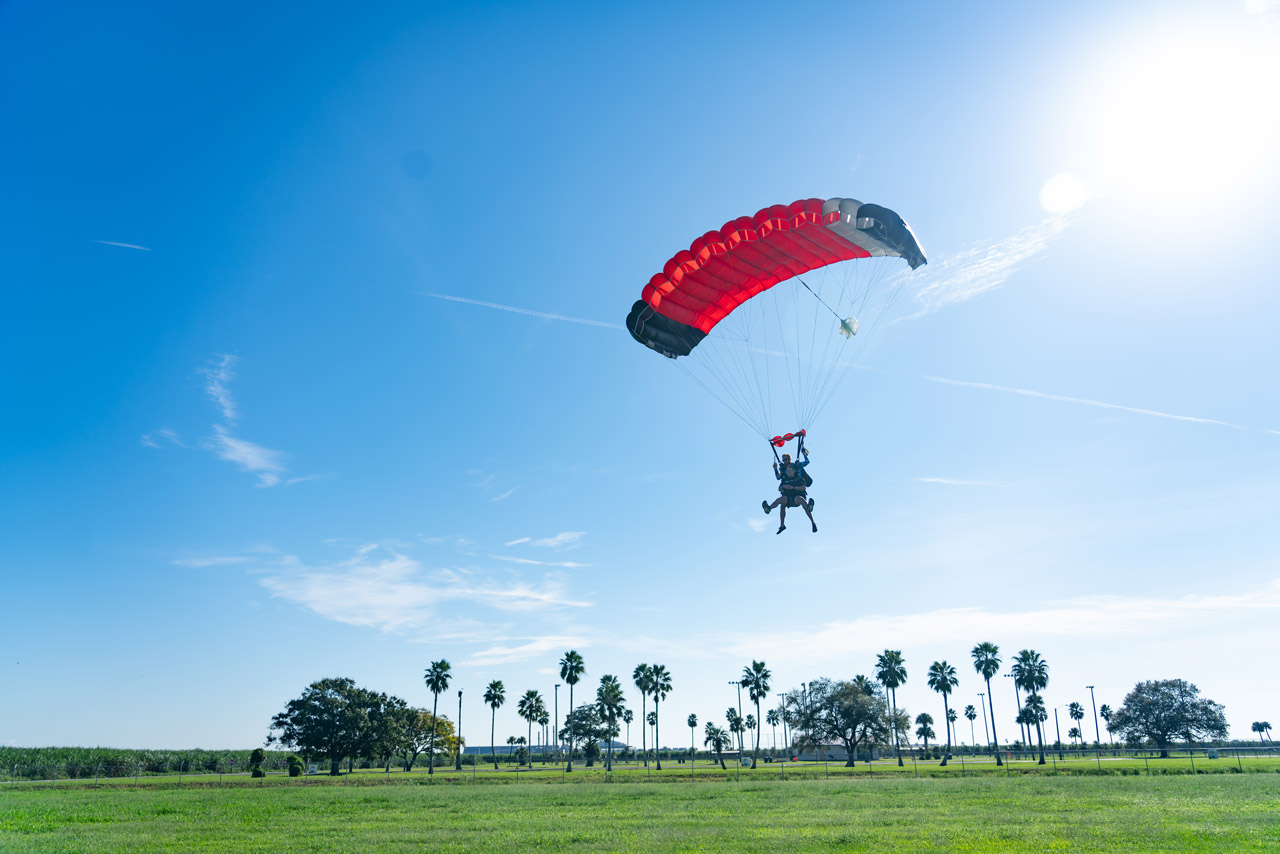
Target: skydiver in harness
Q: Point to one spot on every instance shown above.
(792, 483)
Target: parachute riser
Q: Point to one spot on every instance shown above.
(780, 441)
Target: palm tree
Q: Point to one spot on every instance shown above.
(661, 687)
(942, 678)
(756, 680)
(717, 739)
(437, 679)
(1106, 713)
(972, 714)
(692, 721)
(610, 701)
(924, 728)
(1076, 712)
(736, 725)
(864, 685)
(531, 708)
(572, 668)
(951, 721)
(642, 676)
(1266, 728)
(891, 671)
(772, 718)
(1031, 674)
(986, 661)
(1074, 733)
(1038, 715)
(543, 720)
(627, 717)
(495, 695)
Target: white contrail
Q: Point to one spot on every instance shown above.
(124, 245)
(1065, 399)
(529, 312)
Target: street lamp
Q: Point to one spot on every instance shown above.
(458, 765)
(1058, 733)
(740, 731)
(557, 722)
(1096, 732)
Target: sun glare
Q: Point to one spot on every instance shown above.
(1185, 116)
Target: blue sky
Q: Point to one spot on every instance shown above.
(246, 444)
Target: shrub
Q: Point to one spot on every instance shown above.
(295, 766)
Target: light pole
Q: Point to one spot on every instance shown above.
(1058, 733)
(741, 729)
(982, 698)
(1097, 733)
(458, 765)
(557, 722)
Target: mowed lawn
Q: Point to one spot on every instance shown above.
(1229, 812)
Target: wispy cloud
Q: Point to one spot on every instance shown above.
(537, 647)
(949, 482)
(124, 245)
(199, 562)
(156, 438)
(529, 312)
(1061, 398)
(980, 268)
(530, 562)
(562, 540)
(392, 592)
(1087, 616)
(263, 462)
(757, 525)
(504, 496)
(218, 375)
(518, 541)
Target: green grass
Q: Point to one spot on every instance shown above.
(1219, 812)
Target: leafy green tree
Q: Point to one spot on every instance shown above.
(642, 676)
(716, 739)
(843, 711)
(612, 703)
(942, 678)
(1160, 710)
(891, 672)
(756, 680)
(1076, 712)
(924, 728)
(661, 687)
(588, 728)
(530, 707)
(329, 720)
(986, 661)
(437, 679)
(389, 721)
(572, 669)
(256, 760)
(495, 694)
(420, 729)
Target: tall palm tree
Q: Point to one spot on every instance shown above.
(692, 721)
(543, 720)
(1038, 714)
(972, 714)
(660, 689)
(572, 668)
(717, 739)
(951, 721)
(610, 701)
(495, 694)
(756, 680)
(437, 679)
(891, 671)
(942, 678)
(530, 707)
(1074, 733)
(924, 728)
(627, 717)
(1031, 674)
(642, 676)
(772, 718)
(1107, 713)
(986, 661)
(736, 726)
(1076, 711)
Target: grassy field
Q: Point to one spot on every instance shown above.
(1220, 812)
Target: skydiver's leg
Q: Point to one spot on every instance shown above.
(767, 506)
(807, 506)
(782, 515)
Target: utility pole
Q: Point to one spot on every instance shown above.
(742, 729)
(982, 698)
(1096, 732)
(1058, 733)
(557, 722)
(458, 766)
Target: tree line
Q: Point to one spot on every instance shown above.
(334, 719)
